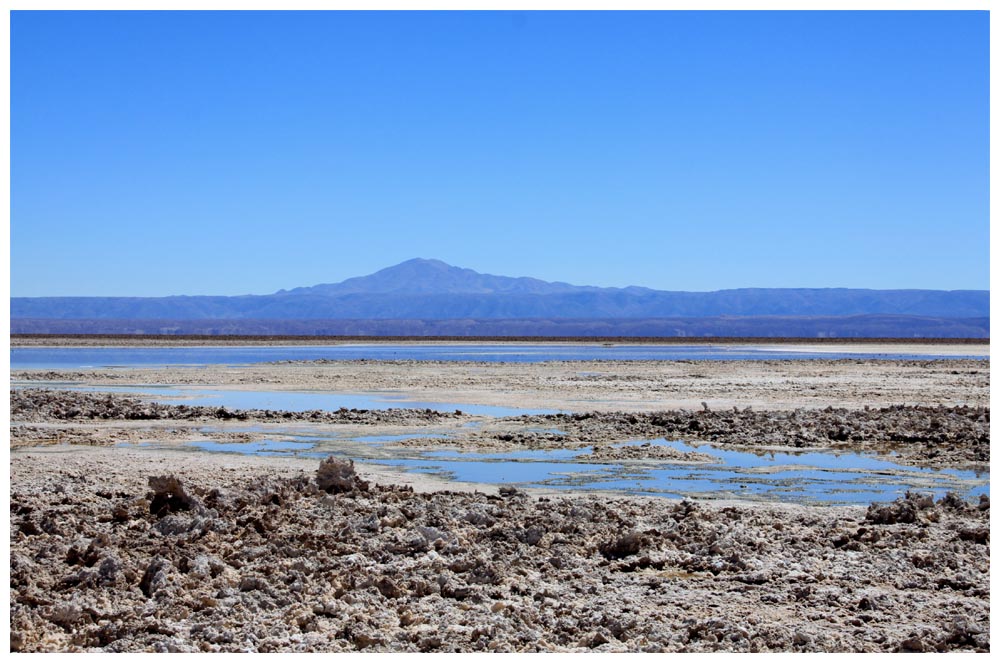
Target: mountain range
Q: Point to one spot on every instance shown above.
(432, 290)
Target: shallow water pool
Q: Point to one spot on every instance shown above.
(812, 477)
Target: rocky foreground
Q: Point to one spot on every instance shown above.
(117, 555)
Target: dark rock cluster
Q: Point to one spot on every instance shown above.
(32, 405)
(929, 434)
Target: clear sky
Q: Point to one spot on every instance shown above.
(230, 153)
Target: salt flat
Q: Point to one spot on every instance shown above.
(251, 552)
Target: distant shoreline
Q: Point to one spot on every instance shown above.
(152, 340)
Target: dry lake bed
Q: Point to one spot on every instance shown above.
(500, 497)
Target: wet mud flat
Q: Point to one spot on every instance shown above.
(124, 550)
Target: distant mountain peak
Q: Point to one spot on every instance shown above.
(429, 262)
(430, 276)
(429, 265)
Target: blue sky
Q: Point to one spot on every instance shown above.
(230, 153)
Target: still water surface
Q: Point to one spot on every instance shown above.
(812, 477)
(63, 358)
